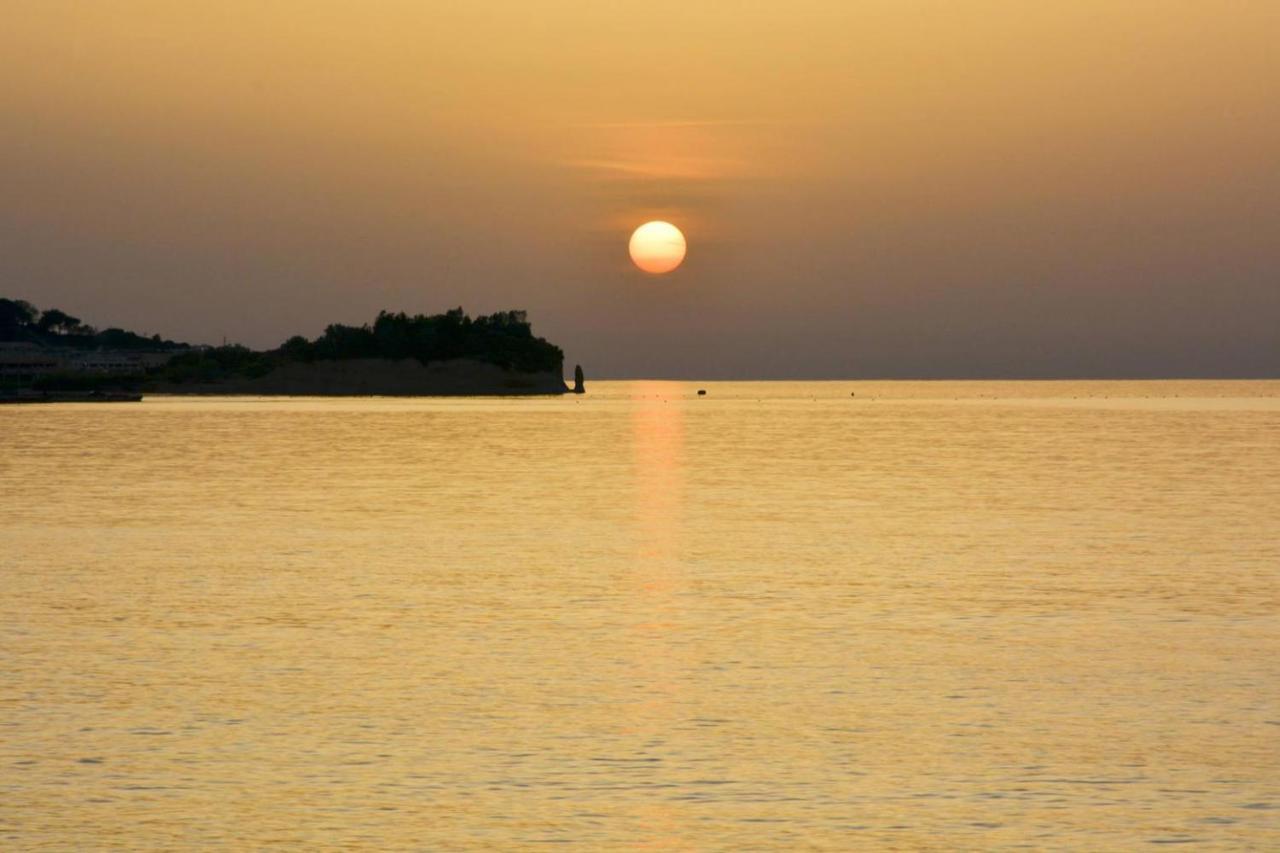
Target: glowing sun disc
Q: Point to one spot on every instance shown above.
(657, 247)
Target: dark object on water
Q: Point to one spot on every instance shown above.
(578, 386)
(29, 396)
(702, 392)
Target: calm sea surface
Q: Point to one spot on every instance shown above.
(931, 615)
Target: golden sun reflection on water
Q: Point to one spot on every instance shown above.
(657, 438)
(657, 429)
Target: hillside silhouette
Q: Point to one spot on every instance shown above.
(22, 322)
(494, 353)
(504, 339)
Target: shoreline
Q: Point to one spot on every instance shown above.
(371, 377)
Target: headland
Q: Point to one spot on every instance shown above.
(47, 355)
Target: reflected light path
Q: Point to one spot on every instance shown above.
(658, 579)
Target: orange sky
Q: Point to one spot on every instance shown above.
(868, 188)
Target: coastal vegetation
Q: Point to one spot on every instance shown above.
(22, 322)
(503, 340)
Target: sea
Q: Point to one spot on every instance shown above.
(777, 615)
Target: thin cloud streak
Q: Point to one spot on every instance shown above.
(677, 124)
(692, 170)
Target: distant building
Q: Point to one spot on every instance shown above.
(28, 361)
(117, 361)
(21, 360)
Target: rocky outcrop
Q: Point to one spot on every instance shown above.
(578, 386)
(381, 377)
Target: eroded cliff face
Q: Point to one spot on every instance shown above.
(382, 377)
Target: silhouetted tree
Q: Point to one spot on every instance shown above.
(296, 348)
(15, 313)
(59, 322)
(504, 339)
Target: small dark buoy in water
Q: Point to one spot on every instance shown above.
(578, 386)
(702, 392)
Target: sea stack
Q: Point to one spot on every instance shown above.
(578, 386)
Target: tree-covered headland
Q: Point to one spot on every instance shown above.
(504, 339)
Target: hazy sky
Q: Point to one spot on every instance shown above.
(888, 188)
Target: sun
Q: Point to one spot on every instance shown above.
(657, 247)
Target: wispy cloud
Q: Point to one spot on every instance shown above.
(674, 124)
(682, 169)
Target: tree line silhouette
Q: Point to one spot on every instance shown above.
(504, 339)
(22, 322)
